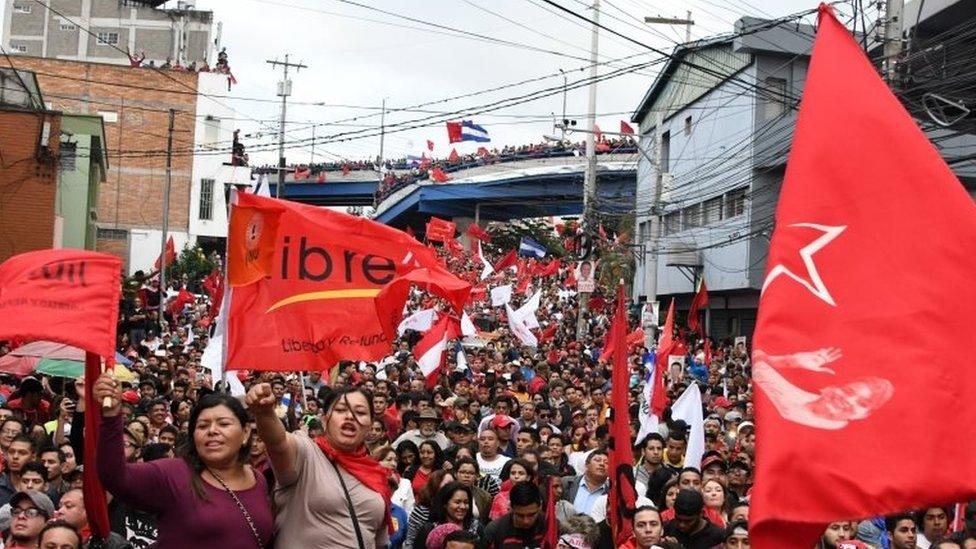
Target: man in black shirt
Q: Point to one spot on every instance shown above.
(689, 527)
(525, 526)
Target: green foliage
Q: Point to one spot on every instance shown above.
(506, 236)
(191, 266)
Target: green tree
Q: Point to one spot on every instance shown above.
(192, 265)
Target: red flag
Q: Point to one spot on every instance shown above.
(625, 128)
(550, 268)
(315, 306)
(182, 299)
(570, 279)
(635, 338)
(440, 230)
(454, 157)
(483, 151)
(389, 301)
(320, 178)
(598, 132)
(665, 344)
(438, 175)
(505, 261)
(474, 231)
(862, 250)
(699, 302)
(252, 241)
(430, 145)
(345, 169)
(548, 333)
(429, 351)
(170, 254)
(302, 173)
(623, 496)
(454, 132)
(522, 284)
(71, 297)
(424, 162)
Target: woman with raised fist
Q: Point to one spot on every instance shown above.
(208, 497)
(327, 487)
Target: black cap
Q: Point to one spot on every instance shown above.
(689, 503)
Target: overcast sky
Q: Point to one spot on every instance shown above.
(357, 57)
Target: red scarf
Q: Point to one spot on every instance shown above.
(366, 470)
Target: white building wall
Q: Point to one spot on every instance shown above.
(211, 166)
(145, 245)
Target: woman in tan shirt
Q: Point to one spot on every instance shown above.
(330, 493)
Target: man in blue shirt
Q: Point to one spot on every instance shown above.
(584, 490)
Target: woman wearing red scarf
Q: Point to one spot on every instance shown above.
(327, 488)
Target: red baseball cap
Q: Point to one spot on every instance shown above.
(501, 421)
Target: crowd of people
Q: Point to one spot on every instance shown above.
(372, 455)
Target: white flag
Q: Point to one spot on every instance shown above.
(689, 408)
(501, 295)
(261, 187)
(526, 313)
(488, 269)
(648, 420)
(518, 327)
(467, 327)
(421, 321)
(462, 361)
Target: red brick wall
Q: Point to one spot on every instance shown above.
(132, 195)
(27, 183)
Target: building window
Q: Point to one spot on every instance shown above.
(110, 117)
(22, 8)
(68, 155)
(107, 39)
(18, 48)
(688, 125)
(206, 199)
(735, 203)
(774, 98)
(112, 234)
(665, 159)
(68, 26)
(691, 217)
(211, 131)
(672, 222)
(712, 211)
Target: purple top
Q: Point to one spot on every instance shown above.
(162, 487)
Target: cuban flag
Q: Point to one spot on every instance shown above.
(530, 248)
(466, 130)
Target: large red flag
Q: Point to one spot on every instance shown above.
(72, 297)
(474, 231)
(623, 496)
(438, 175)
(170, 255)
(440, 230)
(862, 314)
(315, 306)
(626, 128)
(665, 345)
(694, 313)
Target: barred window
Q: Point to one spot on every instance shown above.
(735, 203)
(69, 152)
(206, 198)
(107, 39)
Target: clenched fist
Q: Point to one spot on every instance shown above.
(260, 398)
(107, 387)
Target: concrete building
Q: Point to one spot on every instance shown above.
(104, 31)
(722, 111)
(30, 138)
(82, 168)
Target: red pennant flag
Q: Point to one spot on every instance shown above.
(316, 305)
(430, 145)
(438, 175)
(505, 261)
(862, 250)
(482, 151)
(170, 254)
(625, 128)
(474, 231)
(454, 132)
(699, 302)
(454, 157)
(71, 297)
(440, 230)
(623, 496)
(665, 345)
(302, 173)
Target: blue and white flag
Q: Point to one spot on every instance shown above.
(530, 248)
(413, 160)
(473, 132)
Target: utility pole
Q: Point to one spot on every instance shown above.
(284, 90)
(893, 27)
(589, 176)
(382, 136)
(165, 236)
(563, 119)
(650, 265)
(311, 156)
(687, 22)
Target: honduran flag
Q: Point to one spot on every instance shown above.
(466, 130)
(530, 248)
